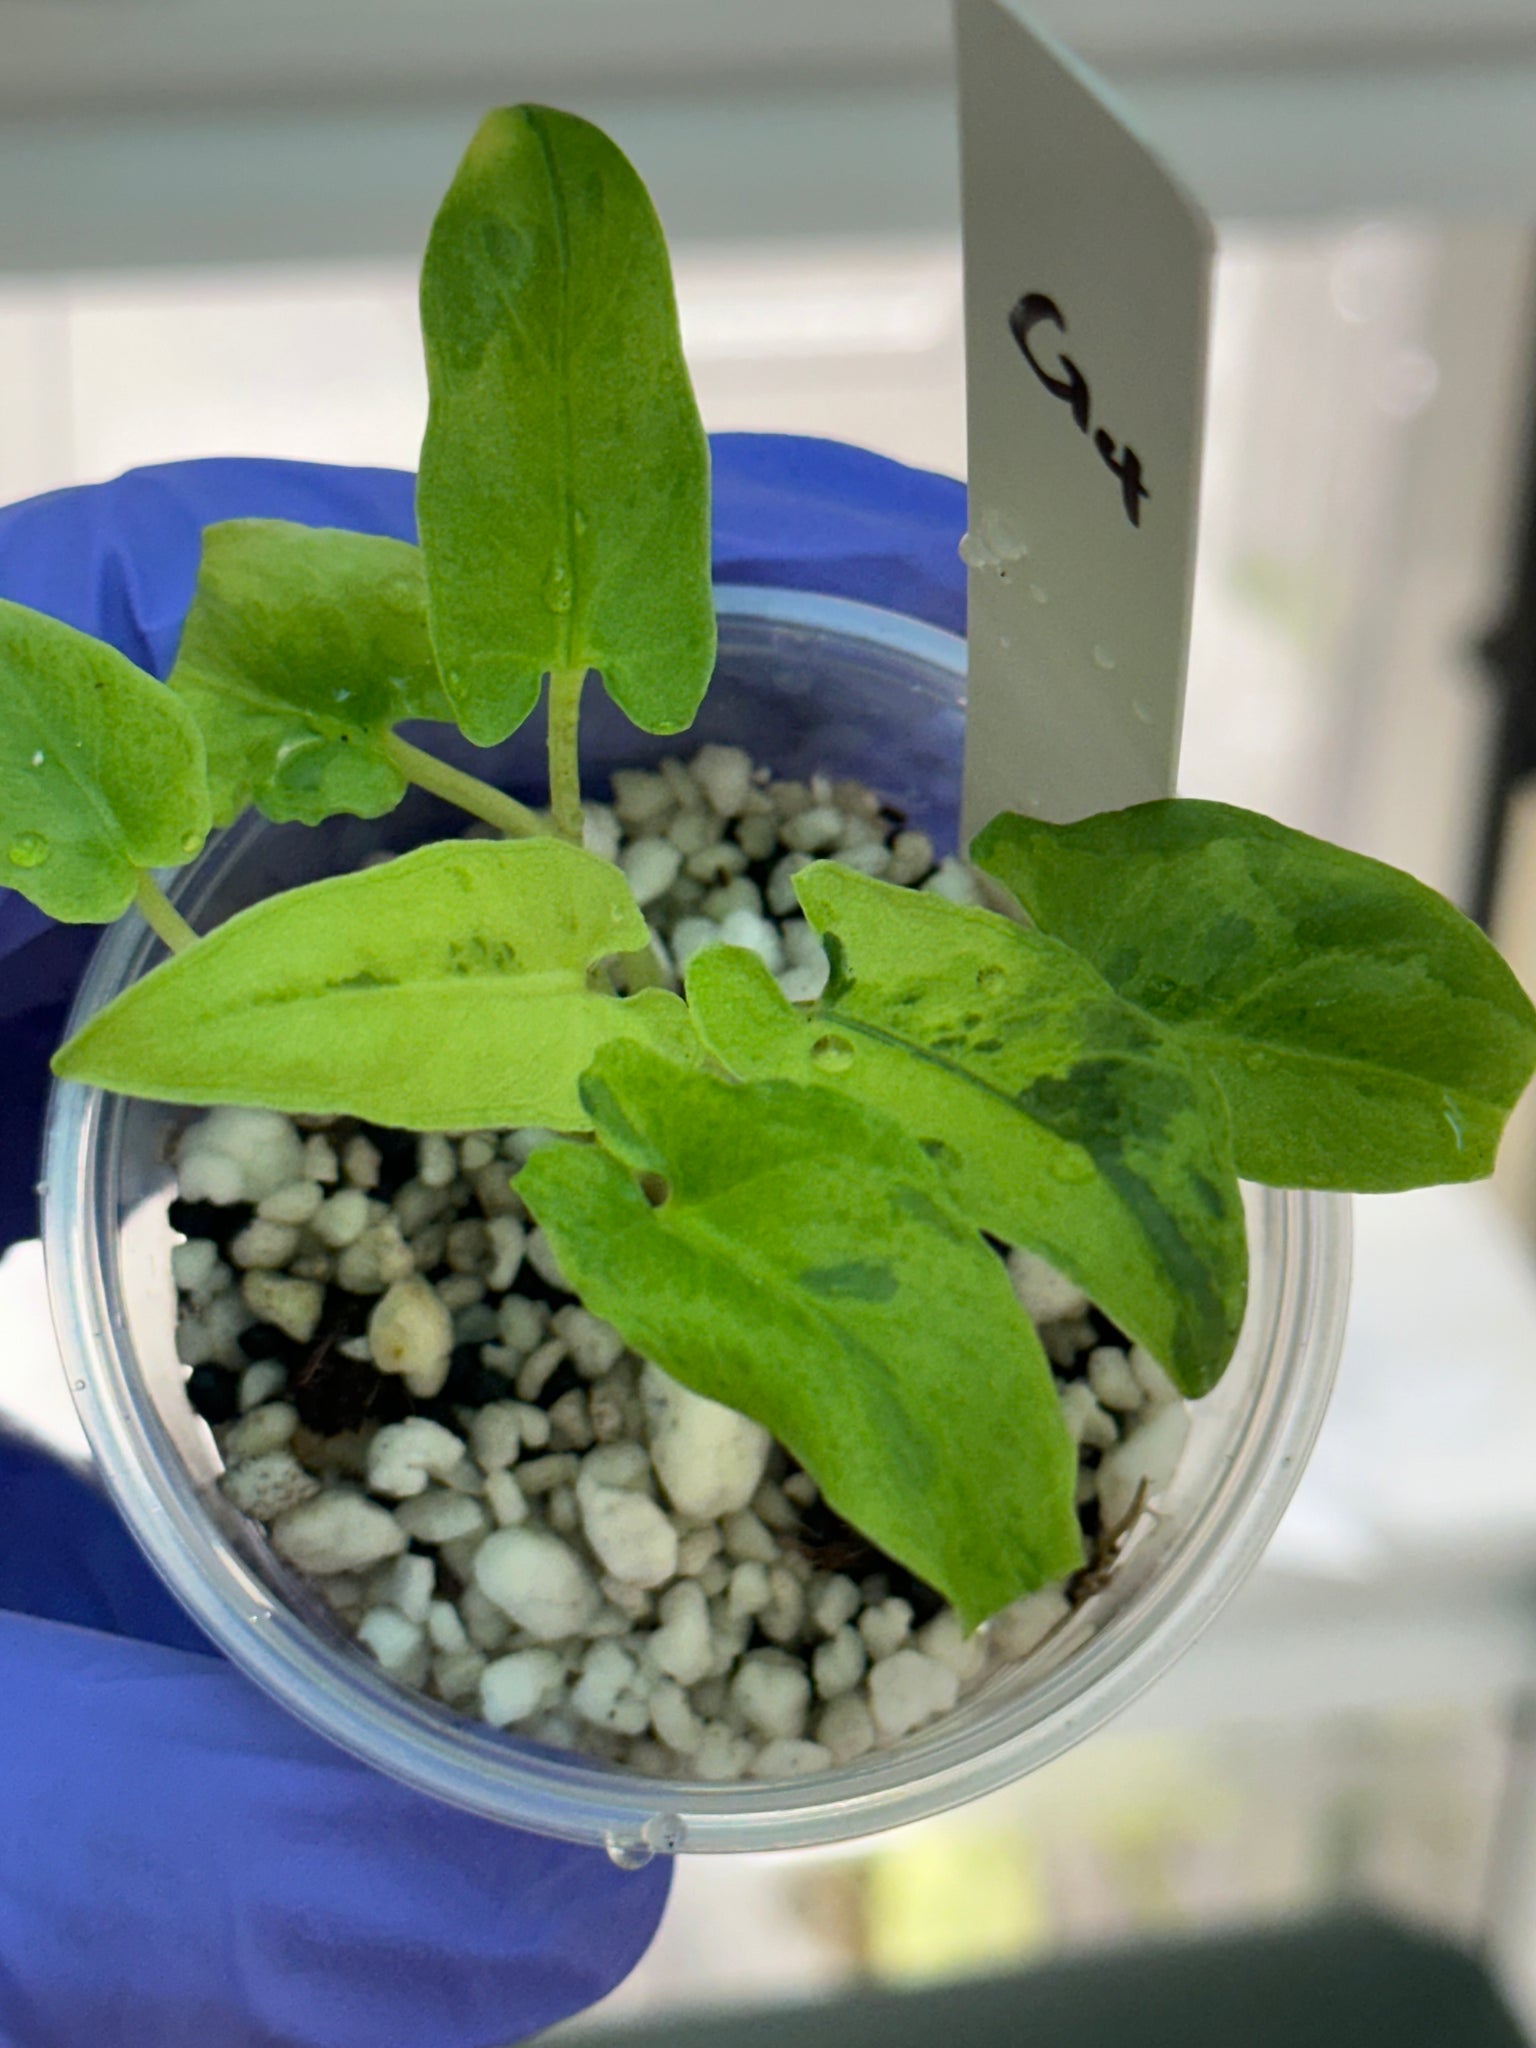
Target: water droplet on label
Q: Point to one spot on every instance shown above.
(39, 758)
(1143, 712)
(557, 588)
(1003, 640)
(1102, 658)
(629, 1852)
(975, 553)
(28, 850)
(78, 1385)
(833, 1055)
(1000, 538)
(665, 1833)
(1039, 593)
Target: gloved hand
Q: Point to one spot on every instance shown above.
(184, 1864)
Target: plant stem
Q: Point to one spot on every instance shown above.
(467, 792)
(161, 915)
(564, 772)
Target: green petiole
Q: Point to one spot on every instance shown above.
(467, 792)
(161, 915)
(564, 767)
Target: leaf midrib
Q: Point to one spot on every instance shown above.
(565, 622)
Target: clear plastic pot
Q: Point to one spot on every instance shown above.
(804, 682)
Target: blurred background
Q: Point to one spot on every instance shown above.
(210, 219)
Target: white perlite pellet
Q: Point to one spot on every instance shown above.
(838, 1665)
(264, 1429)
(410, 1332)
(629, 1535)
(1028, 1622)
(599, 1565)
(708, 1458)
(907, 1689)
(650, 867)
(404, 1456)
(514, 1688)
(496, 1435)
(293, 1305)
(266, 1486)
(1087, 1423)
(724, 774)
(682, 1646)
(238, 1155)
(1148, 1457)
(440, 1516)
(260, 1383)
(538, 1582)
(846, 1730)
(407, 1585)
(399, 1644)
(1114, 1384)
(337, 1532)
(772, 1693)
(1045, 1295)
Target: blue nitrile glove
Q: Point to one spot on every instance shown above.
(183, 1864)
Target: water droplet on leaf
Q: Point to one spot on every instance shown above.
(341, 696)
(1072, 1167)
(28, 850)
(831, 1054)
(38, 758)
(990, 977)
(557, 588)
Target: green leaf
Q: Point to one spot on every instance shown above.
(564, 492)
(808, 1269)
(1060, 1118)
(101, 771)
(446, 990)
(1364, 1033)
(304, 646)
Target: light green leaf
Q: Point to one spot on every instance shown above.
(1060, 1118)
(1365, 1034)
(304, 646)
(564, 492)
(808, 1269)
(101, 771)
(446, 990)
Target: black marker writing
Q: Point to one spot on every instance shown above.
(1064, 380)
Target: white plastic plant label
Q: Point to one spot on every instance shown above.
(1087, 292)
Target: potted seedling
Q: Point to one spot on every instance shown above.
(684, 1279)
